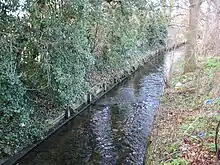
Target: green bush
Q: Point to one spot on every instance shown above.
(212, 64)
(18, 123)
(52, 47)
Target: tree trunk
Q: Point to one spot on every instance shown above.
(205, 36)
(190, 53)
(217, 47)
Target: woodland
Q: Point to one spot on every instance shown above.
(52, 51)
(50, 47)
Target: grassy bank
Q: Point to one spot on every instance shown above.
(184, 129)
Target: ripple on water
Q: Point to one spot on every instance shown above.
(110, 133)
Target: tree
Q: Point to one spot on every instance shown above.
(190, 54)
(47, 56)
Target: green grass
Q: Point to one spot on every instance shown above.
(210, 146)
(212, 64)
(177, 161)
(210, 134)
(172, 148)
(198, 124)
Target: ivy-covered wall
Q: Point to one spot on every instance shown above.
(48, 48)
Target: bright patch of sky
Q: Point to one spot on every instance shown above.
(19, 12)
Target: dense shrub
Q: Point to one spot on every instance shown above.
(50, 46)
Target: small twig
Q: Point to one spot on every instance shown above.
(191, 125)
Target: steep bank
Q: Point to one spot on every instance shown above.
(184, 129)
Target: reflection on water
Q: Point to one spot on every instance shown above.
(101, 128)
(113, 131)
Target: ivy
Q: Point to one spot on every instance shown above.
(48, 48)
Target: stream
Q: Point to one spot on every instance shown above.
(111, 132)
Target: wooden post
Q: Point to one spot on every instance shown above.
(67, 114)
(89, 98)
(104, 87)
(133, 68)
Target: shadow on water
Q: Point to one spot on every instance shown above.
(111, 132)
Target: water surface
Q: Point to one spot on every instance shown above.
(113, 131)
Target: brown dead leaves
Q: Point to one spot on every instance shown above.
(196, 154)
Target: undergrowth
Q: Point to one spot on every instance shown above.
(48, 49)
(184, 130)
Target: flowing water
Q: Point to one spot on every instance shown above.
(111, 132)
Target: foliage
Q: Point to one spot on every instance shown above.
(177, 161)
(191, 117)
(212, 64)
(49, 47)
(18, 124)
